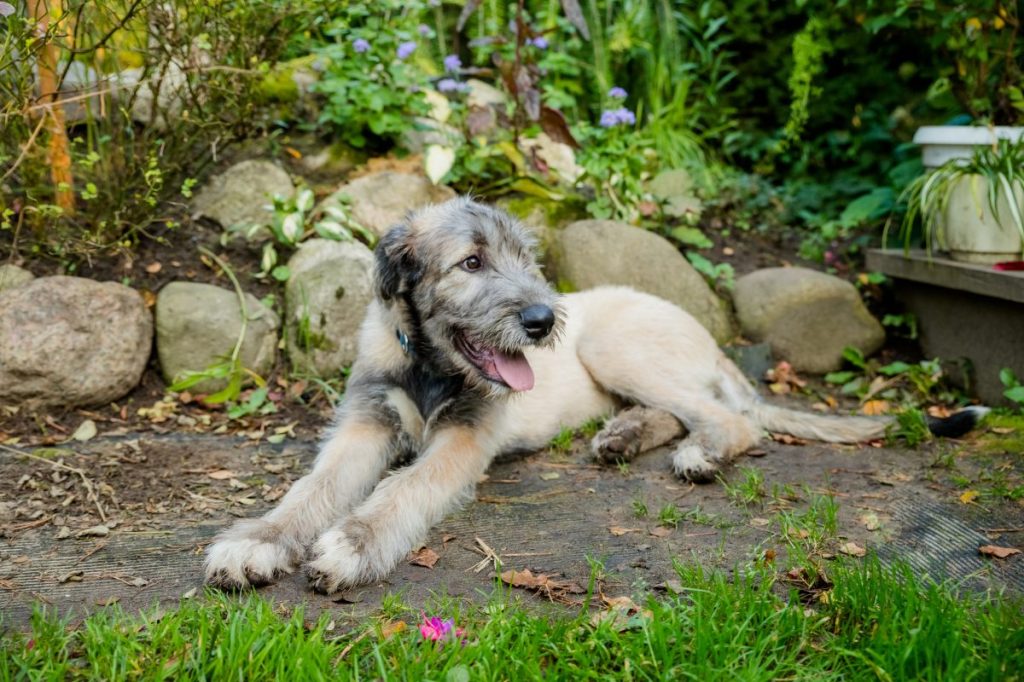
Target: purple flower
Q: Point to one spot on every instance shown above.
(452, 63)
(617, 117)
(451, 85)
(423, 30)
(435, 629)
(360, 45)
(617, 93)
(540, 42)
(405, 49)
(6, 9)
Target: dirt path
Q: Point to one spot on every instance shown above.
(163, 498)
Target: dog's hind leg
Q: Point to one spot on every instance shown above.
(632, 431)
(257, 551)
(397, 515)
(666, 360)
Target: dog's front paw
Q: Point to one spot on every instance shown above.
(690, 463)
(249, 554)
(342, 558)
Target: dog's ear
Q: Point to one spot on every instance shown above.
(395, 262)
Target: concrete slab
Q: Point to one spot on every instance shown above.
(165, 497)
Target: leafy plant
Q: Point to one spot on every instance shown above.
(231, 367)
(927, 198)
(292, 222)
(373, 80)
(1014, 389)
(898, 381)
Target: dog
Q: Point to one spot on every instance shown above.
(466, 352)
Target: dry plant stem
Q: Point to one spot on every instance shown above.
(24, 149)
(241, 300)
(58, 465)
(59, 148)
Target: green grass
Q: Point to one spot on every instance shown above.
(876, 623)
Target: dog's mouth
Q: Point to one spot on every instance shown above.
(508, 369)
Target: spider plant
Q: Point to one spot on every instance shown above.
(927, 197)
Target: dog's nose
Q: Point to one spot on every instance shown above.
(537, 320)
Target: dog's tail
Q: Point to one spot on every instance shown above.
(836, 429)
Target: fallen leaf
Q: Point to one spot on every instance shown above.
(93, 532)
(728, 251)
(85, 431)
(425, 557)
(759, 522)
(190, 593)
(154, 267)
(660, 532)
(870, 521)
(875, 407)
(622, 613)
(997, 551)
(783, 379)
(787, 439)
(107, 601)
(769, 556)
(63, 533)
(555, 590)
(222, 474)
(392, 628)
(968, 496)
(72, 577)
(549, 476)
(619, 530)
(1002, 430)
(852, 549)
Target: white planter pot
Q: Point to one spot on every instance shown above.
(970, 232)
(939, 144)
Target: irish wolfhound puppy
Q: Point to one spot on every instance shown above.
(467, 352)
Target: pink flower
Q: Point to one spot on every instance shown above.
(435, 629)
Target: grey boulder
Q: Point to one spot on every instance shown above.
(591, 253)
(806, 316)
(198, 325)
(239, 196)
(69, 341)
(12, 276)
(379, 201)
(331, 285)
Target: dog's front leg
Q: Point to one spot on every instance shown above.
(350, 463)
(396, 517)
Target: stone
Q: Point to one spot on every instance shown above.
(69, 341)
(379, 201)
(198, 325)
(239, 196)
(331, 285)
(589, 253)
(806, 316)
(674, 188)
(12, 276)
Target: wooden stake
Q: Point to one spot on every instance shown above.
(59, 150)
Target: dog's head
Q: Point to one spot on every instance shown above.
(465, 284)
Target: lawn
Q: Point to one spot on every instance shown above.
(867, 621)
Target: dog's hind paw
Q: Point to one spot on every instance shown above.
(616, 442)
(237, 563)
(690, 463)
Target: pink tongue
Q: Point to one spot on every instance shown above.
(514, 370)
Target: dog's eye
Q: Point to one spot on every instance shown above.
(472, 264)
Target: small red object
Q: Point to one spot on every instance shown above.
(1011, 265)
